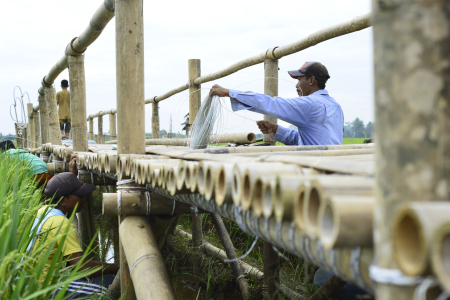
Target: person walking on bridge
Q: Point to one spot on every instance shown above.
(63, 100)
(318, 117)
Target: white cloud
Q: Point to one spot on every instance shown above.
(35, 33)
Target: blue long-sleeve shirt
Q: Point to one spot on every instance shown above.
(319, 118)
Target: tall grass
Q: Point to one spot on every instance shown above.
(23, 274)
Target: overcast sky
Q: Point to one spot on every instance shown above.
(34, 35)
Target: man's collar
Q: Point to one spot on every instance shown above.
(320, 92)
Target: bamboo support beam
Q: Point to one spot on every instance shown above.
(272, 265)
(139, 204)
(30, 128)
(112, 127)
(195, 100)
(270, 89)
(37, 129)
(100, 130)
(231, 254)
(43, 112)
(113, 292)
(91, 129)
(155, 121)
(353, 25)
(53, 118)
(147, 269)
(77, 81)
(412, 156)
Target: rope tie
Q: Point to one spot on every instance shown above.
(173, 209)
(119, 202)
(141, 258)
(243, 256)
(149, 203)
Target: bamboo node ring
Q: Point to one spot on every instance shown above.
(71, 46)
(273, 52)
(141, 258)
(392, 276)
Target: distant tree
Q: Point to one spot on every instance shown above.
(369, 129)
(162, 132)
(358, 128)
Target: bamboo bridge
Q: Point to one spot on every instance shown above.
(373, 214)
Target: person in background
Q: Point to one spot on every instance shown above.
(69, 194)
(318, 117)
(63, 100)
(37, 165)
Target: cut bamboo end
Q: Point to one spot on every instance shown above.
(257, 204)
(201, 177)
(223, 189)
(212, 172)
(413, 228)
(155, 178)
(299, 204)
(346, 221)
(440, 255)
(285, 195)
(313, 197)
(193, 178)
(181, 175)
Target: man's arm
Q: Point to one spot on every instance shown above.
(296, 111)
(105, 268)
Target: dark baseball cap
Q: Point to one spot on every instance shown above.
(65, 184)
(64, 83)
(311, 68)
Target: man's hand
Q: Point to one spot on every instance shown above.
(73, 164)
(267, 127)
(219, 91)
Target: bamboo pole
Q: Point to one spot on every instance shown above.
(347, 221)
(412, 136)
(440, 255)
(45, 138)
(113, 292)
(155, 120)
(53, 118)
(131, 129)
(112, 127)
(91, 129)
(37, 129)
(100, 130)
(223, 184)
(30, 127)
(331, 287)
(195, 100)
(270, 89)
(147, 268)
(139, 204)
(241, 138)
(77, 81)
(231, 254)
(355, 24)
(271, 262)
(197, 241)
(415, 225)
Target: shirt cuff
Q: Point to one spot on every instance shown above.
(281, 133)
(233, 93)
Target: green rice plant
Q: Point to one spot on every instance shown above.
(24, 274)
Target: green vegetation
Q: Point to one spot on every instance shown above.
(349, 141)
(21, 269)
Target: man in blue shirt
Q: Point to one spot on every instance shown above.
(318, 116)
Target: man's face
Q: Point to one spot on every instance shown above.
(301, 86)
(72, 200)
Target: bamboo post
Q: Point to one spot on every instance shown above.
(100, 136)
(412, 156)
(77, 81)
(149, 274)
(37, 130)
(91, 129)
(271, 262)
(155, 120)
(270, 89)
(53, 118)
(112, 127)
(195, 100)
(44, 119)
(30, 129)
(197, 240)
(130, 109)
(231, 254)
